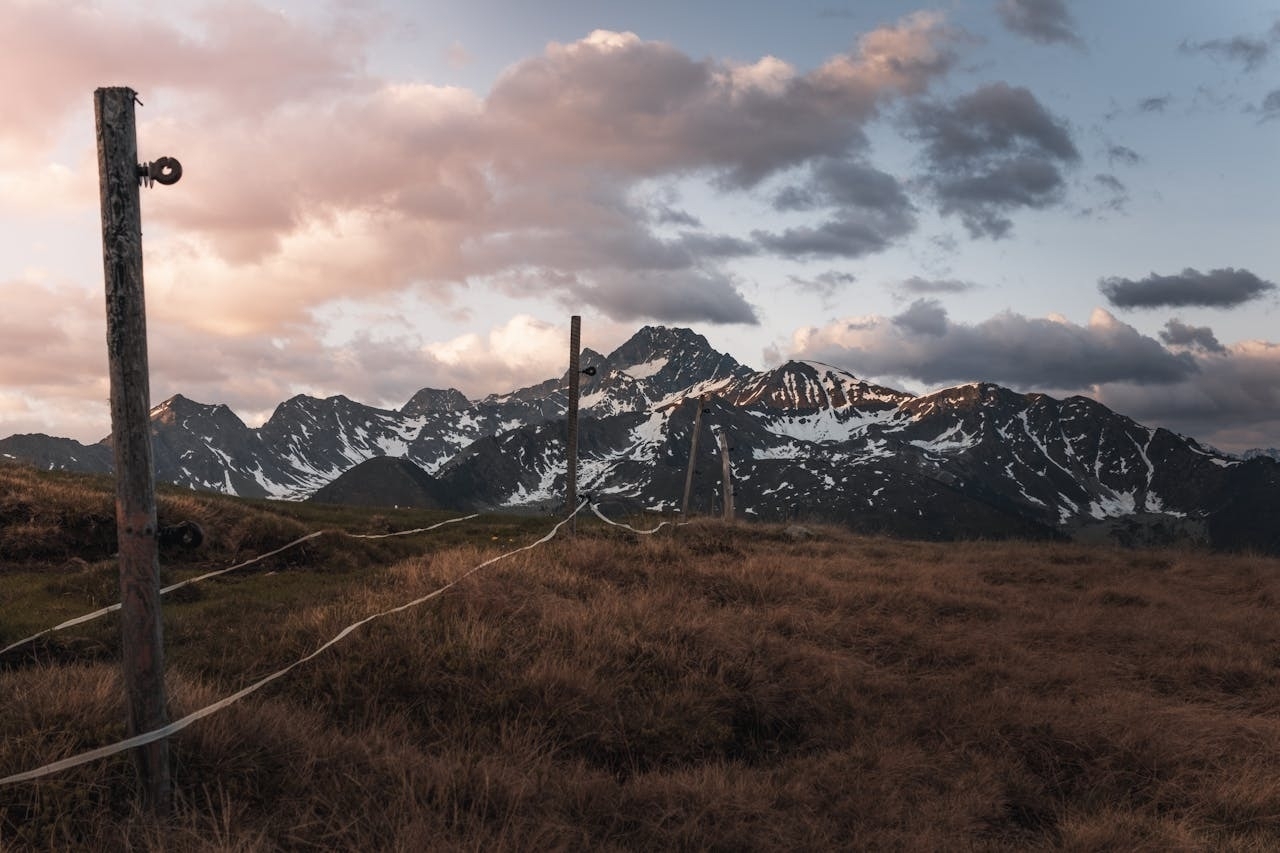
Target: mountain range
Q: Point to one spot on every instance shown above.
(806, 441)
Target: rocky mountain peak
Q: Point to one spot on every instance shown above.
(432, 400)
(652, 343)
(965, 398)
(178, 411)
(810, 386)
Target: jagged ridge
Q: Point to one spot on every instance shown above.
(808, 438)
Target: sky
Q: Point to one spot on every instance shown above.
(1060, 196)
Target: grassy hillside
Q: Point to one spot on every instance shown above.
(725, 688)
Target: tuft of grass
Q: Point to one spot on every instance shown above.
(719, 688)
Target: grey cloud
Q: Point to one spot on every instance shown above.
(981, 200)
(924, 316)
(1123, 154)
(679, 297)
(993, 119)
(1271, 105)
(845, 183)
(923, 344)
(871, 210)
(1249, 51)
(825, 283)
(1119, 192)
(667, 215)
(795, 197)
(848, 183)
(1154, 105)
(851, 235)
(916, 286)
(992, 152)
(701, 246)
(1221, 288)
(1044, 21)
(1232, 402)
(1179, 334)
(1110, 182)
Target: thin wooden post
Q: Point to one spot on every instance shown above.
(726, 476)
(141, 630)
(693, 459)
(575, 377)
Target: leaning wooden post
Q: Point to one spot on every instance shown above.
(571, 490)
(119, 175)
(693, 458)
(726, 476)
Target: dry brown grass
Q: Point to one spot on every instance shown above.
(720, 689)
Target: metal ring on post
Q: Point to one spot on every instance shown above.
(166, 170)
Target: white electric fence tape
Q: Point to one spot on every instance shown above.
(178, 725)
(602, 517)
(89, 617)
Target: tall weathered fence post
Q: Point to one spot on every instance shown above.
(693, 458)
(571, 452)
(726, 476)
(119, 175)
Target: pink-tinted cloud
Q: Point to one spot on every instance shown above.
(1192, 392)
(1233, 401)
(242, 59)
(376, 188)
(55, 364)
(308, 181)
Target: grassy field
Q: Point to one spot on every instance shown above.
(722, 688)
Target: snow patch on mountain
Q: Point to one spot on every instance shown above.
(647, 369)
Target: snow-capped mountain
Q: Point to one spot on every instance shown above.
(808, 440)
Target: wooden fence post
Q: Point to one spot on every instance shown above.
(119, 175)
(726, 476)
(693, 458)
(575, 377)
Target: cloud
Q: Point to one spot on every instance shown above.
(1118, 193)
(241, 58)
(1232, 401)
(520, 352)
(61, 378)
(642, 108)
(1270, 107)
(846, 184)
(1044, 21)
(452, 187)
(1123, 154)
(870, 212)
(310, 182)
(304, 171)
(825, 283)
(54, 336)
(923, 344)
(1110, 182)
(992, 152)
(923, 317)
(1221, 288)
(666, 296)
(1250, 51)
(1179, 334)
(1157, 104)
(916, 286)
(1228, 396)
